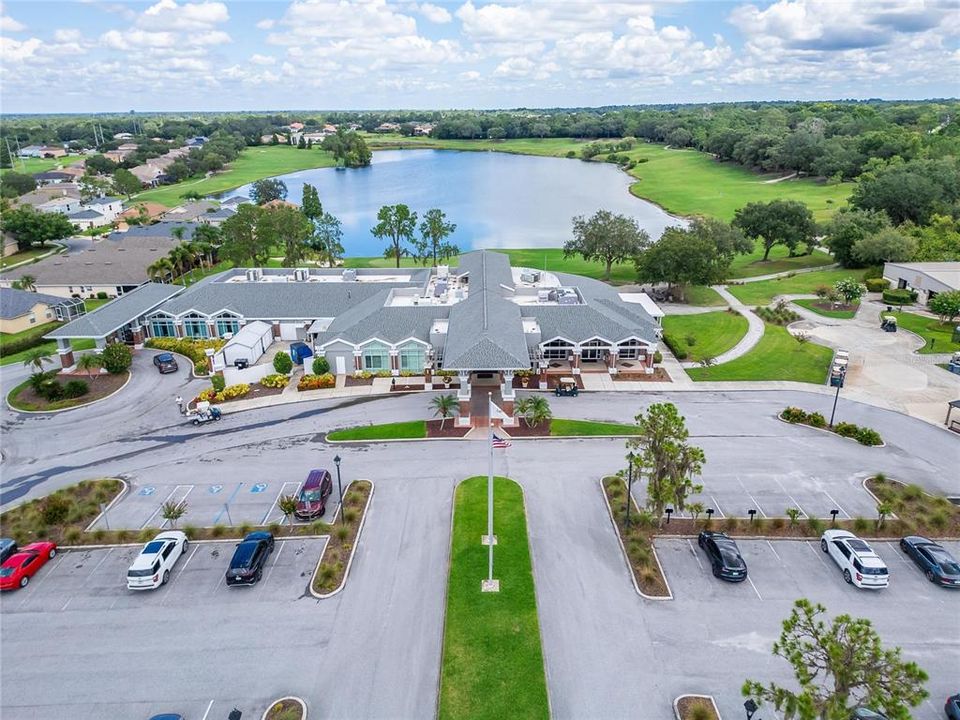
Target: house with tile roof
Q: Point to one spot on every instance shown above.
(483, 320)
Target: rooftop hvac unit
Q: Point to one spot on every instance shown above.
(440, 288)
(443, 271)
(349, 275)
(543, 296)
(530, 276)
(458, 294)
(301, 274)
(568, 297)
(254, 275)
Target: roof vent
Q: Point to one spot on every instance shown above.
(349, 275)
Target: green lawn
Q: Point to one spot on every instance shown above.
(49, 348)
(253, 163)
(752, 265)
(411, 430)
(763, 291)
(561, 427)
(492, 659)
(688, 182)
(938, 337)
(703, 296)
(839, 314)
(778, 356)
(714, 332)
(24, 256)
(34, 330)
(549, 147)
(92, 304)
(31, 166)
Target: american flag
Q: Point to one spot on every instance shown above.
(499, 442)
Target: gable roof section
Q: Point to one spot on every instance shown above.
(15, 303)
(485, 333)
(117, 313)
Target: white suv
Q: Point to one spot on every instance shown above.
(860, 564)
(151, 568)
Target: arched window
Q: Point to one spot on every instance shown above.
(376, 356)
(227, 323)
(162, 326)
(195, 326)
(413, 356)
(593, 350)
(557, 350)
(632, 349)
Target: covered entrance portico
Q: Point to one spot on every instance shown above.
(478, 389)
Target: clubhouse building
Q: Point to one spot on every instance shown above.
(483, 320)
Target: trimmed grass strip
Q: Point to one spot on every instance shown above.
(713, 333)
(778, 356)
(938, 338)
(589, 428)
(811, 305)
(410, 430)
(492, 658)
(762, 292)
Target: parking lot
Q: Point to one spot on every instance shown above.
(96, 579)
(736, 623)
(208, 504)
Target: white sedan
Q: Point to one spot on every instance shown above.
(151, 568)
(861, 566)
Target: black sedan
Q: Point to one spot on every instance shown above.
(246, 567)
(166, 363)
(952, 707)
(7, 548)
(937, 563)
(724, 556)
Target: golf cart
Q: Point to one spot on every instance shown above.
(888, 323)
(567, 386)
(205, 413)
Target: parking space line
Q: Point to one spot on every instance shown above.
(180, 572)
(815, 549)
(63, 557)
(716, 506)
(775, 552)
(694, 553)
(276, 560)
(227, 502)
(836, 504)
(280, 494)
(160, 506)
(750, 580)
(87, 578)
(208, 711)
(895, 549)
(792, 499)
(752, 498)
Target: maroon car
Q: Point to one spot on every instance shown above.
(312, 498)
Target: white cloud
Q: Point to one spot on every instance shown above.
(68, 35)
(8, 24)
(131, 39)
(521, 67)
(266, 24)
(435, 13)
(16, 51)
(545, 21)
(307, 20)
(470, 75)
(168, 15)
(258, 59)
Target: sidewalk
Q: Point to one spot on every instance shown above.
(755, 329)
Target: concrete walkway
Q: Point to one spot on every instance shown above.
(747, 342)
(798, 271)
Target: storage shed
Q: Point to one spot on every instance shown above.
(249, 344)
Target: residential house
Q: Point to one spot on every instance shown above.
(423, 129)
(62, 204)
(217, 217)
(52, 151)
(88, 219)
(198, 141)
(151, 210)
(235, 201)
(20, 309)
(117, 156)
(53, 177)
(295, 126)
(191, 211)
(9, 246)
(109, 207)
(147, 174)
(330, 129)
(387, 127)
(31, 151)
(123, 136)
(128, 147)
(43, 194)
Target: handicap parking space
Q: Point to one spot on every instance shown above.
(96, 579)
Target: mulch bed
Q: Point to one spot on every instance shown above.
(554, 380)
(450, 429)
(256, 391)
(637, 540)
(351, 381)
(336, 554)
(533, 381)
(22, 525)
(658, 375)
(100, 386)
(438, 385)
(839, 307)
(401, 386)
(687, 704)
(521, 429)
(283, 709)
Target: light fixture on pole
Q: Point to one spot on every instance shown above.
(751, 512)
(630, 459)
(833, 514)
(751, 707)
(669, 512)
(336, 461)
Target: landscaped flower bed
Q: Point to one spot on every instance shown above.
(26, 397)
(62, 516)
(658, 375)
(863, 435)
(285, 709)
(316, 382)
(193, 349)
(231, 392)
(696, 707)
(332, 569)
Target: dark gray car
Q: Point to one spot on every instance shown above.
(7, 548)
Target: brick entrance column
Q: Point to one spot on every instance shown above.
(137, 331)
(395, 363)
(542, 382)
(576, 361)
(463, 399)
(65, 351)
(276, 329)
(357, 361)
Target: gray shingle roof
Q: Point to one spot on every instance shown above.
(370, 319)
(14, 303)
(157, 230)
(85, 215)
(117, 313)
(485, 332)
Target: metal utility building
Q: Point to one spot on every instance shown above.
(927, 279)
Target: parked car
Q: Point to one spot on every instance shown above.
(151, 568)
(24, 564)
(861, 566)
(166, 363)
(167, 716)
(312, 498)
(7, 548)
(937, 563)
(952, 707)
(246, 567)
(724, 555)
(862, 713)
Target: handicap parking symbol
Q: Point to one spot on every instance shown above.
(149, 490)
(214, 489)
(258, 488)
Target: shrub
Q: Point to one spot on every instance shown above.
(218, 382)
(54, 510)
(912, 492)
(320, 366)
(816, 420)
(147, 534)
(815, 526)
(700, 712)
(122, 535)
(794, 415)
(232, 392)
(657, 357)
(51, 390)
(282, 363)
(341, 532)
(678, 352)
(102, 295)
(116, 358)
(777, 523)
(190, 531)
(73, 535)
(876, 284)
(845, 429)
(899, 296)
(571, 153)
(868, 436)
(275, 380)
(316, 382)
(939, 520)
(274, 528)
(218, 530)
(75, 389)
(861, 524)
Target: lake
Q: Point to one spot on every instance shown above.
(496, 199)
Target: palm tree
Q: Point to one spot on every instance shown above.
(536, 410)
(443, 406)
(180, 257)
(883, 509)
(173, 511)
(288, 506)
(160, 269)
(36, 358)
(91, 363)
(26, 282)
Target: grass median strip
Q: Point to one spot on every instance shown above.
(637, 539)
(561, 427)
(492, 659)
(410, 430)
(762, 292)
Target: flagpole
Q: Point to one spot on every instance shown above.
(490, 493)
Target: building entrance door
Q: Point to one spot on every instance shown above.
(341, 365)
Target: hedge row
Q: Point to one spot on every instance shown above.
(876, 284)
(678, 352)
(863, 435)
(193, 349)
(899, 296)
(27, 342)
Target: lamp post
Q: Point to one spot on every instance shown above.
(751, 707)
(840, 379)
(630, 457)
(833, 513)
(336, 461)
(669, 512)
(751, 512)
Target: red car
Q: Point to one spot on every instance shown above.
(312, 498)
(24, 564)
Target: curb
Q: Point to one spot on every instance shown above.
(57, 249)
(300, 701)
(829, 432)
(79, 548)
(676, 704)
(446, 593)
(193, 370)
(63, 410)
(626, 558)
(353, 550)
(119, 496)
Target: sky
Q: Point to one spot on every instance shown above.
(173, 55)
